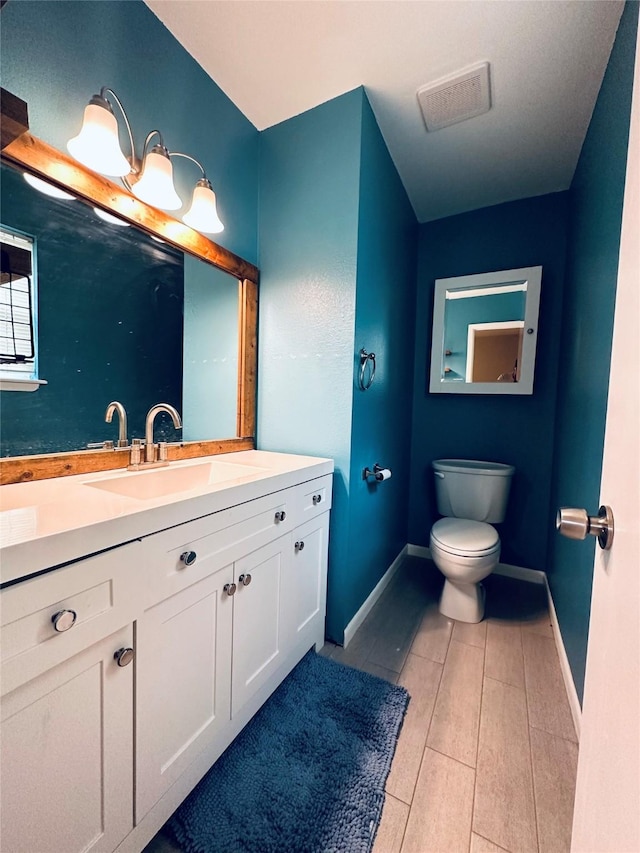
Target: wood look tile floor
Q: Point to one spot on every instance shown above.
(486, 759)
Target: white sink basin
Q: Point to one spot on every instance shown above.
(159, 482)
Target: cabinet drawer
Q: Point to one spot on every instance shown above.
(183, 555)
(100, 595)
(313, 498)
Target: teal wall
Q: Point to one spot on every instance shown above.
(56, 55)
(309, 185)
(210, 385)
(592, 263)
(336, 259)
(381, 416)
(518, 430)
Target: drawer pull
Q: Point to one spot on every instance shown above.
(245, 580)
(188, 558)
(280, 515)
(229, 588)
(63, 620)
(299, 546)
(123, 657)
(317, 499)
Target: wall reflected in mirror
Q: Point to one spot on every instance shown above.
(485, 331)
(120, 316)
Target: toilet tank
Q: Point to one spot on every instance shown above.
(469, 488)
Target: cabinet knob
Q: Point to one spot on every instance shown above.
(317, 499)
(188, 558)
(229, 588)
(245, 580)
(280, 515)
(123, 657)
(63, 620)
(299, 546)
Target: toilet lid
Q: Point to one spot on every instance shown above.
(461, 536)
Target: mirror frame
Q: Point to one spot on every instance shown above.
(533, 277)
(25, 151)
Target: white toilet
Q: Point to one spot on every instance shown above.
(464, 545)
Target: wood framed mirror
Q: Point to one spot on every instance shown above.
(212, 268)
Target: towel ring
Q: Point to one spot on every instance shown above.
(365, 358)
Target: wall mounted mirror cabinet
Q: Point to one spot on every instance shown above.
(129, 304)
(485, 329)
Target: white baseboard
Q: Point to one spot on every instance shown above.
(529, 575)
(569, 684)
(373, 596)
(419, 551)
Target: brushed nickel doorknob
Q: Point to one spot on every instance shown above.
(63, 620)
(123, 657)
(280, 515)
(188, 558)
(229, 588)
(576, 523)
(299, 546)
(245, 579)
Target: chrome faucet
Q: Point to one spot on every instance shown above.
(150, 448)
(122, 416)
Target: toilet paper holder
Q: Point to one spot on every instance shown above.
(377, 472)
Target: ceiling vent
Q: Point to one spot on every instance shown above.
(455, 98)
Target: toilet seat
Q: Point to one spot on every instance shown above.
(464, 538)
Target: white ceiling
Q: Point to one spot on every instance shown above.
(278, 58)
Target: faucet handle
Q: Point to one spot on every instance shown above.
(136, 451)
(100, 445)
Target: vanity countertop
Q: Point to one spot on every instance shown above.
(51, 522)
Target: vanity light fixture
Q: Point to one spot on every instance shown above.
(150, 179)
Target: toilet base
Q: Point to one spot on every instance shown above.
(463, 602)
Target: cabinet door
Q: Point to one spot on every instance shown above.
(305, 592)
(67, 755)
(183, 679)
(259, 638)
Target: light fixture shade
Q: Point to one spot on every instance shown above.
(97, 145)
(203, 213)
(156, 181)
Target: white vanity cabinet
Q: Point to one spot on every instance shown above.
(233, 603)
(183, 683)
(214, 612)
(67, 707)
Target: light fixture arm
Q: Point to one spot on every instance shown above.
(148, 138)
(193, 160)
(136, 165)
(133, 161)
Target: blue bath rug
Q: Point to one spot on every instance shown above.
(307, 774)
